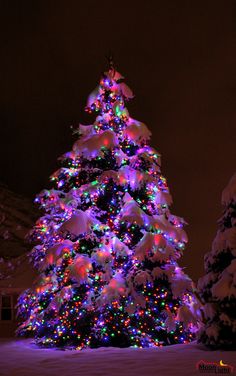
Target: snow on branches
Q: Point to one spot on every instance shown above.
(229, 193)
(113, 290)
(78, 271)
(91, 147)
(79, 223)
(136, 131)
(218, 286)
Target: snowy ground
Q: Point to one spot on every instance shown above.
(22, 358)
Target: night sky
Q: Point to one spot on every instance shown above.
(179, 57)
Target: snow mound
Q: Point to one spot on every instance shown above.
(22, 358)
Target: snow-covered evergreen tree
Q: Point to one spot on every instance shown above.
(107, 246)
(218, 287)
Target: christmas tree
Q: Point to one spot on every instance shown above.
(107, 245)
(218, 287)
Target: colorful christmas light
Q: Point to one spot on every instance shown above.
(107, 245)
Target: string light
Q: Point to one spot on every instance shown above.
(87, 294)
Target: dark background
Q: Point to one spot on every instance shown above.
(179, 57)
